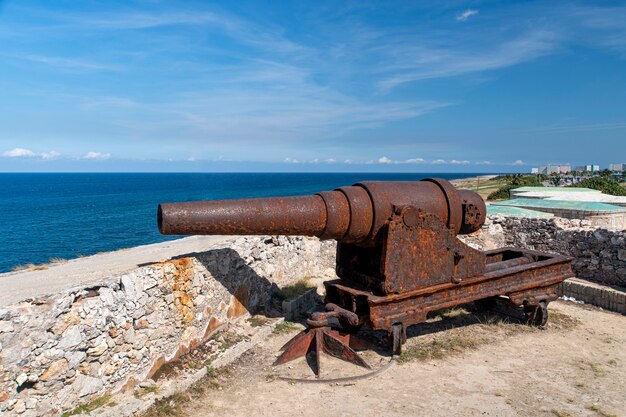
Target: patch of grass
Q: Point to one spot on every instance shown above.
(560, 413)
(455, 330)
(91, 406)
(294, 290)
(172, 406)
(561, 321)
(57, 260)
(29, 267)
(453, 312)
(597, 369)
(211, 372)
(440, 347)
(613, 362)
(210, 381)
(197, 363)
(599, 411)
(143, 391)
(285, 327)
(229, 340)
(165, 371)
(258, 321)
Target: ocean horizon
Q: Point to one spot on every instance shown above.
(51, 216)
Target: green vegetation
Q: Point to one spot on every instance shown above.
(294, 290)
(143, 391)
(89, 407)
(501, 193)
(515, 181)
(464, 331)
(172, 406)
(604, 184)
(285, 327)
(258, 321)
(599, 411)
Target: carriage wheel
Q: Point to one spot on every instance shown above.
(536, 314)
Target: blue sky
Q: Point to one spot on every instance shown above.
(310, 86)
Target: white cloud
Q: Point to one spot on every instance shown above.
(330, 160)
(27, 153)
(50, 155)
(519, 162)
(19, 153)
(437, 62)
(347, 161)
(438, 161)
(69, 63)
(483, 163)
(291, 161)
(385, 160)
(96, 155)
(466, 14)
(457, 162)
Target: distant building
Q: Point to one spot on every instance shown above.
(564, 169)
(554, 169)
(617, 167)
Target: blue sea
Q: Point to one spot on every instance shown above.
(47, 216)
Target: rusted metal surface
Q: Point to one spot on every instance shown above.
(398, 257)
(320, 337)
(358, 213)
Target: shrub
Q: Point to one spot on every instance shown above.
(501, 193)
(606, 185)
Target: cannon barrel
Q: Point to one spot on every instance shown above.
(349, 214)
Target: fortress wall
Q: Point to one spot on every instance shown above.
(60, 350)
(600, 253)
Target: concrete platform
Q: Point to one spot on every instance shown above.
(591, 293)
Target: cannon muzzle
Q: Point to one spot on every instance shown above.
(347, 214)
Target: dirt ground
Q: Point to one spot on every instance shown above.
(459, 363)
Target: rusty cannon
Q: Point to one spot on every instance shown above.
(398, 257)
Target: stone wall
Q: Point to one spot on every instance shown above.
(60, 350)
(600, 253)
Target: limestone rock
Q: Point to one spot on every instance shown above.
(98, 349)
(21, 378)
(71, 337)
(75, 358)
(54, 370)
(20, 407)
(31, 403)
(6, 327)
(86, 385)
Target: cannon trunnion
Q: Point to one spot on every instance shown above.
(398, 256)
